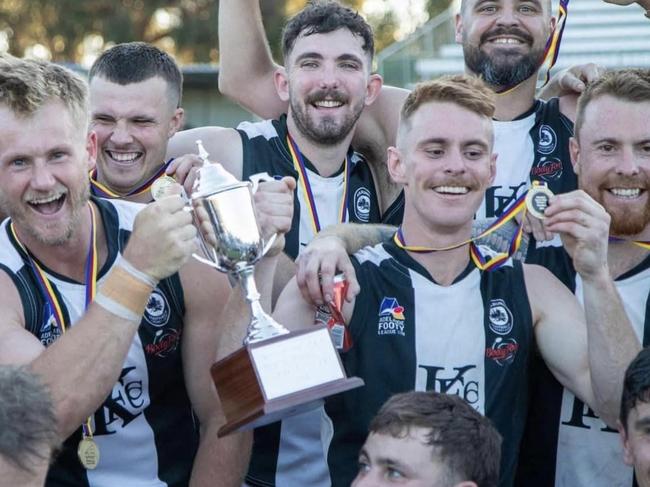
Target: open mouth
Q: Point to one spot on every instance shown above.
(626, 193)
(48, 205)
(125, 158)
(507, 41)
(327, 104)
(451, 190)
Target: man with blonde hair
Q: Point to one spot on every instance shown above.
(100, 300)
(478, 340)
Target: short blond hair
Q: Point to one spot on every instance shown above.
(467, 92)
(28, 84)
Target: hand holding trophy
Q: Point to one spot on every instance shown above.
(276, 373)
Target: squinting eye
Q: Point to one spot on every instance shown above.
(393, 474)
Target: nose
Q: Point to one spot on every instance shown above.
(329, 77)
(454, 163)
(42, 177)
(121, 133)
(508, 16)
(627, 164)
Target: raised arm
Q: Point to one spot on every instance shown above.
(246, 67)
(611, 342)
(81, 367)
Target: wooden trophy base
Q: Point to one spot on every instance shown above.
(270, 380)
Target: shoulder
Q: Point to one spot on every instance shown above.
(266, 129)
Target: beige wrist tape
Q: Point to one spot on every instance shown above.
(125, 293)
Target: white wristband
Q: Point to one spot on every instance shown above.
(116, 308)
(142, 276)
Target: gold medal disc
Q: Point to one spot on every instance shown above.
(88, 453)
(160, 186)
(537, 200)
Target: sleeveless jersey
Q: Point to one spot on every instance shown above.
(145, 430)
(265, 150)
(471, 338)
(291, 452)
(533, 147)
(566, 444)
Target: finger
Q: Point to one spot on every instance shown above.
(351, 277)
(307, 278)
(326, 278)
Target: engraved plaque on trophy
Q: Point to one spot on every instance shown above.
(276, 373)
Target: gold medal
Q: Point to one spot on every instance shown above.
(537, 199)
(160, 186)
(88, 453)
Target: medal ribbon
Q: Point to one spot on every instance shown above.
(552, 49)
(102, 191)
(303, 181)
(644, 244)
(90, 274)
(519, 206)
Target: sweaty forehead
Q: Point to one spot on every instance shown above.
(337, 43)
(465, 4)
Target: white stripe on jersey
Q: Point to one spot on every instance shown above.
(588, 456)
(131, 452)
(456, 314)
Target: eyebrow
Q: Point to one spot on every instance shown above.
(443, 141)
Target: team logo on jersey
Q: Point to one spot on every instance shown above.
(391, 318)
(126, 402)
(502, 351)
(499, 317)
(49, 330)
(157, 309)
(362, 204)
(547, 140)
(462, 381)
(547, 169)
(165, 342)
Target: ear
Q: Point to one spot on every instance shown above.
(91, 149)
(396, 166)
(493, 167)
(281, 83)
(574, 151)
(628, 457)
(176, 122)
(552, 23)
(459, 29)
(375, 82)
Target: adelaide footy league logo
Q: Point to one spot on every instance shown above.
(391, 318)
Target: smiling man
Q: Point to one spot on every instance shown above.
(437, 320)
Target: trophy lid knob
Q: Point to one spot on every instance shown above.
(210, 177)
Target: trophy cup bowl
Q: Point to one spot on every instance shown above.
(276, 373)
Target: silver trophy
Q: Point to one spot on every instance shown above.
(231, 210)
(276, 373)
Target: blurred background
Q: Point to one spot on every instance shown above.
(414, 38)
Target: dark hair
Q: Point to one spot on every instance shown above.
(134, 62)
(463, 440)
(28, 427)
(625, 84)
(636, 386)
(322, 17)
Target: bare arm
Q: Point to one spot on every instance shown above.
(224, 146)
(584, 227)
(246, 67)
(81, 367)
(219, 461)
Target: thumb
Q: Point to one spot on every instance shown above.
(289, 182)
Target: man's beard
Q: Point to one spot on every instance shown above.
(503, 68)
(625, 221)
(18, 214)
(328, 131)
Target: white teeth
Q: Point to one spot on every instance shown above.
(451, 189)
(43, 201)
(625, 192)
(124, 156)
(506, 40)
(328, 104)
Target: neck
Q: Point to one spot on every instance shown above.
(69, 258)
(518, 100)
(326, 158)
(624, 256)
(144, 198)
(444, 266)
